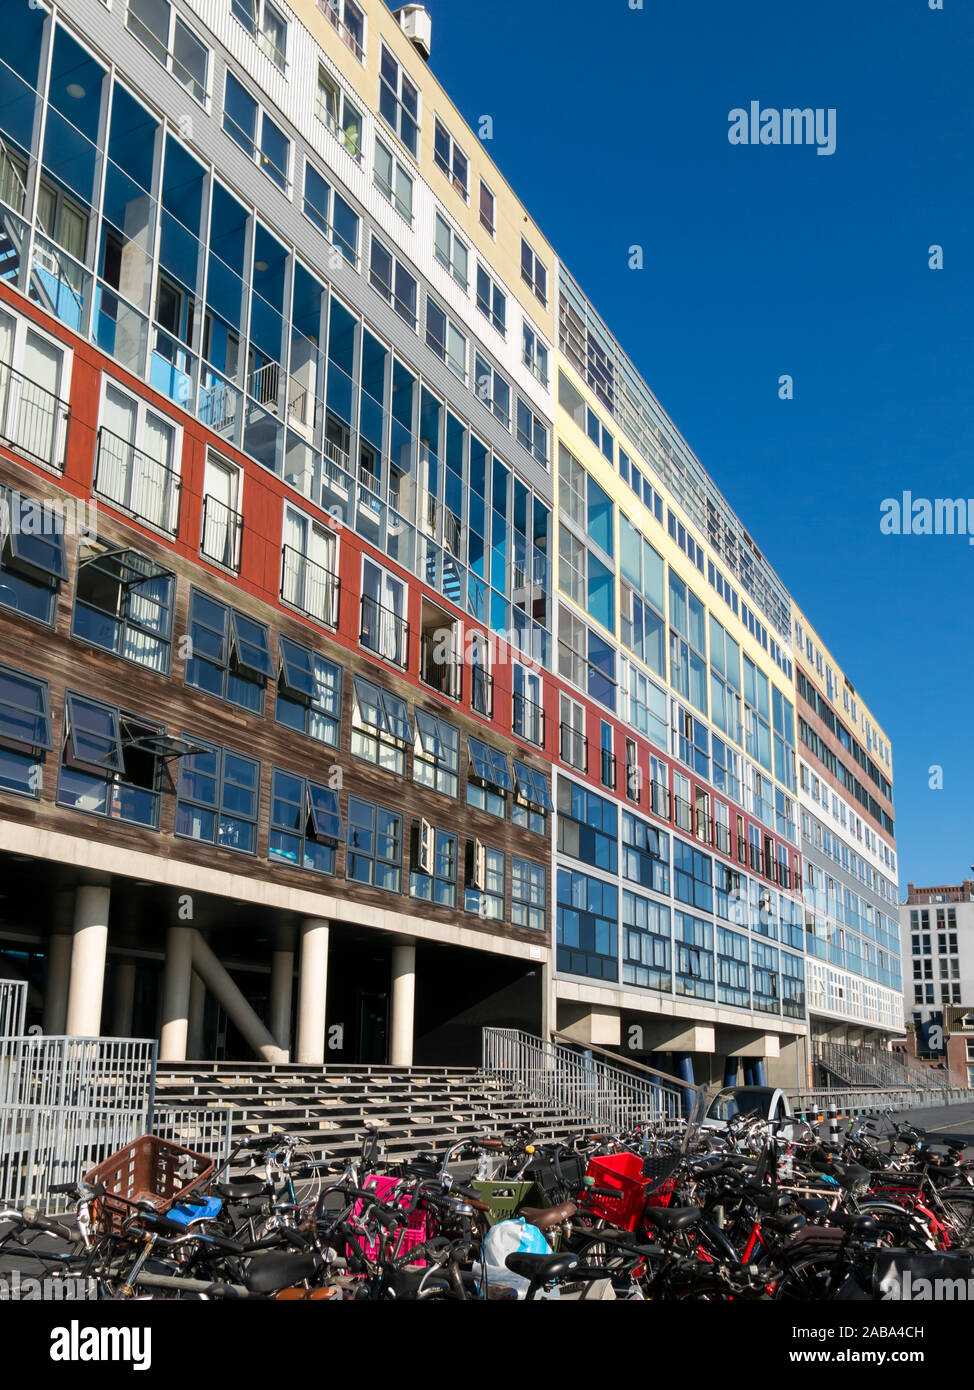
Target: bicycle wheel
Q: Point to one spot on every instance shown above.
(959, 1208)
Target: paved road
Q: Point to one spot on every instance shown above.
(945, 1121)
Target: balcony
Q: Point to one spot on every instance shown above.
(220, 533)
(352, 38)
(136, 482)
(32, 419)
(309, 587)
(574, 747)
(481, 692)
(704, 827)
(438, 665)
(634, 780)
(384, 632)
(659, 800)
(607, 768)
(722, 838)
(683, 814)
(527, 719)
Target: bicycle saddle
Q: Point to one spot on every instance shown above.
(541, 1268)
(672, 1218)
(546, 1217)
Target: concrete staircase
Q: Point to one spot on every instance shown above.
(842, 1067)
(413, 1109)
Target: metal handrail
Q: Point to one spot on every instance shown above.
(220, 530)
(13, 1007)
(310, 587)
(133, 480)
(616, 1093)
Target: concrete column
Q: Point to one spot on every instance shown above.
(177, 977)
(123, 1006)
(312, 992)
(88, 950)
(403, 1005)
(282, 987)
(58, 971)
(197, 1006)
(218, 982)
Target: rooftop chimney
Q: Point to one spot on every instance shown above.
(417, 24)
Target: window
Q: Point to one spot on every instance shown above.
(446, 340)
(231, 653)
(156, 24)
(488, 209)
(533, 273)
(249, 126)
(692, 876)
(587, 826)
(491, 300)
(694, 941)
(381, 731)
(481, 681)
(529, 894)
(434, 873)
(645, 943)
(267, 25)
(588, 917)
(135, 465)
(573, 743)
(688, 644)
(309, 693)
(384, 629)
(222, 524)
(33, 389)
(450, 159)
(484, 892)
(124, 603)
(489, 781)
(335, 109)
(535, 354)
(393, 181)
(32, 556)
(111, 763)
(349, 21)
(218, 797)
(374, 845)
(25, 731)
(306, 823)
(436, 754)
(733, 975)
(493, 391)
(527, 710)
(330, 214)
(399, 102)
(764, 961)
(532, 435)
(309, 581)
(532, 800)
(393, 281)
(451, 252)
(645, 854)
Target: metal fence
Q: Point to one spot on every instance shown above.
(583, 1085)
(851, 1103)
(67, 1103)
(13, 1007)
(872, 1066)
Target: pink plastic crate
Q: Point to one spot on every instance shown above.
(385, 1189)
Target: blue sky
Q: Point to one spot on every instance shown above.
(612, 126)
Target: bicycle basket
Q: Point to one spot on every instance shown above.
(149, 1169)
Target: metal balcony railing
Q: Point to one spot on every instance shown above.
(220, 532)
(659, 800)
(136, 482)
(443, 676)
(574, 747)
(481, 692)
(32, 419)
(683, 814)
(607, 768)
(384, 632)
(309, 587)
(528, 719)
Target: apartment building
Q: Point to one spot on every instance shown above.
(853, 975)
(937, 926)
(386, 663)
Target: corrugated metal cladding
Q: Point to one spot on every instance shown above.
(140, 72)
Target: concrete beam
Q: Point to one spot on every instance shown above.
(599, 1027)
(219, 983)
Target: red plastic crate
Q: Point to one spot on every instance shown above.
(622, 1174)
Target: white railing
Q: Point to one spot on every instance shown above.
(207, 1130)
(41, 1146)
(866, 1101)
(13, 1007)
(95, 1074)
(613, 1096)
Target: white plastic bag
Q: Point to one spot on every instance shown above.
(509, 1238)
